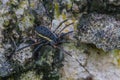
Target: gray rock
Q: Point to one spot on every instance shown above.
(101, 30)
(104, 6)
(102, 65)
(5, 67)
(22, 56)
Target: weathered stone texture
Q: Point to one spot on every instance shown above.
(101, 30)
(104, 6)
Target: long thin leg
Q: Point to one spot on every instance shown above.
(13, 42)
(37, 49)
(64, 34)
(74, 58)
(60, 25)
(39, 46)
(30, 45)
(64, 28)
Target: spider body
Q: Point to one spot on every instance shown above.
(45, 33)
(53, 39)
(49, 37)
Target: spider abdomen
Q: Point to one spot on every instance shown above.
(46, 33)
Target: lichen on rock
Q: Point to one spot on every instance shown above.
(18, 18)
(101, 30)
(5, 66)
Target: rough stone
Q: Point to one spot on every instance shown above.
(100, 64)
(5, 66)
(22, 56)
(18, 18)
(104, 6)
(101, 30)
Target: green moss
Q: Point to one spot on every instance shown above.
(6, 23)
(69, 6)
(116, 55)
(64, 16)
(23, 4)
(57, 11)
(12, 3)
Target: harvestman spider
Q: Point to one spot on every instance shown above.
(51, 38)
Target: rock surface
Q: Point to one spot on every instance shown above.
(104, 6)
(18, 19)
(100, 64)
(101, 30)
(5, 66)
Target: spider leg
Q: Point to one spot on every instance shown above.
(64, 34)
(13, 41)
(30, 45)
(64, 28)
(39, 46)
(59, 57)
(36, 49)
(23, 47)
(75, 59)
(60, 25)
(37, 55)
